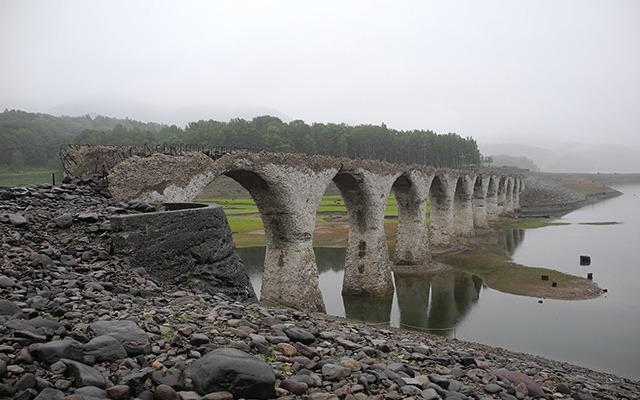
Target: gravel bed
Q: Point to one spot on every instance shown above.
(78, 323)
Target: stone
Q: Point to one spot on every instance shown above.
(134, 340)
(105, 348)
(135, 380)
(521, 391)
(84, 375)
(89, 392)
(50, 394)
(56, 350)
(294, 386)
(218, 396)
(165, 392)
(286, 349)
(118, 392)
(64, 221)
(300, 335)
(493, 388)
(518, 377)
(3, 368)
(563, 389)
(26, 381)
(583, 395)
(430, 394)
(8, 307)
(199, 339)
(6, 282)
(232, 370)
(18, 220)
(335, 372)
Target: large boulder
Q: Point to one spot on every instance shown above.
(234, 371)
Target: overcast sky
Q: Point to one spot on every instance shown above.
(527, 71)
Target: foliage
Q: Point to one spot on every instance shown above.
(33, 139)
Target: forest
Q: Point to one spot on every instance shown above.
(34, 139)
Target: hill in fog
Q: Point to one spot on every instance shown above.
(119, 107)
(572, 157)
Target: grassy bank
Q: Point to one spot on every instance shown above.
(27, 176)
(331, 228)
(500, 273)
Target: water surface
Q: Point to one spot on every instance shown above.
(601, 334)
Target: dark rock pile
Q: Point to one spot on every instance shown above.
(79, 323)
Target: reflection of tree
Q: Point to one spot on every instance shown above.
(253, 259)
(436, 301)
(368, 309)
(330, 258)
(327, 258)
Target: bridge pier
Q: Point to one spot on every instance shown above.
(463, 207)
(412, 239)
(491, 201)
(287, 199)
(508, 203)
(367, 270)
(479, 202)
(441, 194)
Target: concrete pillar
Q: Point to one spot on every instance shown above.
(479, 202)
(441, 195)
(491, 201)
(518, 188)
(367, 269)
(463, 207)
(508, 202)
(412, 241)
(287, 198)
(502, 194)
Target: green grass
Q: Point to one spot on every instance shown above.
(27, 177)
(600, 223)
(246, 224)
(500, 273)
(531, 223)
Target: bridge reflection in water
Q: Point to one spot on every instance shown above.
(433, 301)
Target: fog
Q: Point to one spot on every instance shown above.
(529, 72)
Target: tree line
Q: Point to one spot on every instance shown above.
(33, 139)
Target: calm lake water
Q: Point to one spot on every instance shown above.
(601, 334)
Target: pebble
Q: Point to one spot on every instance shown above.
(79, 323)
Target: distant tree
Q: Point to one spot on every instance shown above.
(17, 160)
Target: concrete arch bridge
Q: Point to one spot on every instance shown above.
(287, 189)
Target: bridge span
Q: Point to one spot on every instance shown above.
(287, 189)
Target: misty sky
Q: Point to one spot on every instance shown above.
(528, 71)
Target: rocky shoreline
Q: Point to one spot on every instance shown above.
(78, 323)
